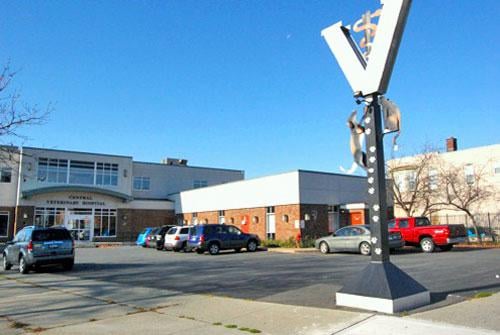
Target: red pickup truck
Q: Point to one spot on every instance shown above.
(418, 231)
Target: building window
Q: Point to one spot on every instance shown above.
(105, 223)
(270, 223)
(433, 179)
(5, 175)
(222, 217)
(106, 174)
(496, 170)
(47, 217)
(4, 224)
(52, 170)
(200, 183)
(141, 183)
(411, 179)
(469, 174)
(81, 173)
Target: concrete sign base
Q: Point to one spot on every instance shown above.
(383, 287)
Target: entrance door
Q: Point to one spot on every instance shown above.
(271, 226)
(80, 227)
(357, 218)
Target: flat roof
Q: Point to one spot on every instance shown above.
(77, 152)
(189, 166)
(299, 171)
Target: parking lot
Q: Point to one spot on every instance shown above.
(297, 279)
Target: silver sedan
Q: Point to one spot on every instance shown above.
(355, 239)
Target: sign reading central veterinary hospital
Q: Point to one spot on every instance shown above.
(370, 75)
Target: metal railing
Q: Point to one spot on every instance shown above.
(488, 224)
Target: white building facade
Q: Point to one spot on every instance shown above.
(98, 197)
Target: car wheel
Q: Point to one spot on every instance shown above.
(324, 248)
(68, 265)
(252, 246)
(447, 247)
(5, 264)
(213, 248)
(365, 249)
(23, 267)
(427, 245)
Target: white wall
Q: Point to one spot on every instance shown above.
(331, 188)
(8, 191)
(281, 189)
(150, 204)
(30, 167)
(169, 179)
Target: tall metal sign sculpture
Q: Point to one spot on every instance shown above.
(381, 286)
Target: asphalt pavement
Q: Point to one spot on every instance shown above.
(295, 279)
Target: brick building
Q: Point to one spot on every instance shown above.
(279, 206)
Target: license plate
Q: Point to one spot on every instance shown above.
(53, 246)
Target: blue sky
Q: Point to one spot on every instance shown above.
(242, 84)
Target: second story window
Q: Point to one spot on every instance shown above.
(5, 175)
(106, 174)
(52, 170)
(433, 179)
(81, 172)
(200, 183)
(141, 183)
(469, 174)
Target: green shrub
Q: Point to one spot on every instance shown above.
(307, 242)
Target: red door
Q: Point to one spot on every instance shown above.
(356, 218)
(245, 224)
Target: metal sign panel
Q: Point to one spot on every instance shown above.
(370, 75)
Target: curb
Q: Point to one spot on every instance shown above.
(293, 250)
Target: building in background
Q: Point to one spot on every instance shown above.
(98, 197)
(106, 198)
(279, 206)
(481, 161)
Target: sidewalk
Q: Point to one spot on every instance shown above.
(64, 305)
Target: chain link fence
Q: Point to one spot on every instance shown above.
(488, 224)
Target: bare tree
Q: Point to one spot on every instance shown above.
(15, 115)
(413, 187)
(463, 188)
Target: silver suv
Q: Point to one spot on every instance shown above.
(35, 246)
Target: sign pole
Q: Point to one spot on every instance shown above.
(377, 191)
(381, 286)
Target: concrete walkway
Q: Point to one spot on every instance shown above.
(59, 304)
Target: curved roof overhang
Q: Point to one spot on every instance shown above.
(96, 190)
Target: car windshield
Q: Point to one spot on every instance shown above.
(144, 231)
(391, 224)
(172, 231)
(193, 231)
(50, 235)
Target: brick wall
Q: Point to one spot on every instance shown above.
(10, 229)
(132, 221)
(285, 217)
(317, 225)
(21, 221)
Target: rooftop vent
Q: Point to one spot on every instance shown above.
(174, 161)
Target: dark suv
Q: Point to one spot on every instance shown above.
(35, 246)
(160, 237)
(216, 237)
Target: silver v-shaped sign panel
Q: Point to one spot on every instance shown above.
(369, 76)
